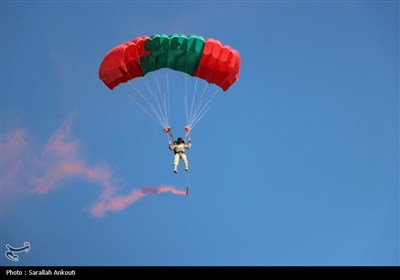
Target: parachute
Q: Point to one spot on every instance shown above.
(135, 61)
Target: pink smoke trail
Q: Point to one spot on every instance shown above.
(15, 153)
(118, 203)
(24, 171)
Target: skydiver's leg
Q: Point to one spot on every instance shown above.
(176, 160)
(185, 161)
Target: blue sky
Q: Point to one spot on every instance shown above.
(297, 164)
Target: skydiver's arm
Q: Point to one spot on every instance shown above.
(188, 145)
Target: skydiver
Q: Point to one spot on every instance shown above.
(179, 147)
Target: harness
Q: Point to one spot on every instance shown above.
(178, 152)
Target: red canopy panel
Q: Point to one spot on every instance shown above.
(122, 63)
(219, 64)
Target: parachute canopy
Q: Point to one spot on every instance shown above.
(207, 59)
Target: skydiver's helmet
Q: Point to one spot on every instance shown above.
(179, 140)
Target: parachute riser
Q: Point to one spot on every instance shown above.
(172, 136)
(187, 137)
